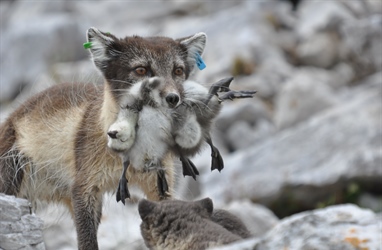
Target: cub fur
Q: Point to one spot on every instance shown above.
(174, 224)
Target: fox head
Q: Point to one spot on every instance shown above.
(126, 61)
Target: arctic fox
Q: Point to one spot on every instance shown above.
(54, 146)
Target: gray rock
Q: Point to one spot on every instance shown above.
(320, 50)
(343, 75)
(249, 110)
(363, 39)
(268, 79)
(311, 20)
(241, 134)
(32, 46)
(302, 96)
(19, 228)
(258, 218)
(308, 162)
(346, 227)
(119, 228)
(370, 201)
(81, 71)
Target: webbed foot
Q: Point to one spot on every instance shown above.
(188, 167)
(230, 95)
(220, 86)
(123, 190)
(216, 158)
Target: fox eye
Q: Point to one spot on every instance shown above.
(178, 71)
(141, 71)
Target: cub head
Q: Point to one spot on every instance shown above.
(126, 61)
(169, 218)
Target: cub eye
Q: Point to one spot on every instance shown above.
(178, 71)
(141, 71)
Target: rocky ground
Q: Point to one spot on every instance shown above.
(310, 141)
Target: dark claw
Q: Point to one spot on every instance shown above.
(123, 190)
(216, 158)
(162, 183)
(220, 86)
(237, 94)
(188, 167)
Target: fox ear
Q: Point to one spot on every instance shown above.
(145, 207)
(207, 204)
(195, 46)
(103, 47)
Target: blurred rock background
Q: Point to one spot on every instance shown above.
(311, 138)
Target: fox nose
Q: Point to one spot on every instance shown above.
(172, 99)
(112, 134)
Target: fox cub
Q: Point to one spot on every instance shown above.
(174, 224)
(54, 146)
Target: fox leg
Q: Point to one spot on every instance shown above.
(11, 171)
(87, 207)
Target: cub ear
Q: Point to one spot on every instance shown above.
(207, 204)
(145, 207)
(103, 47)
(195, 46)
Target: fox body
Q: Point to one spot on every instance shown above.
(54, 146)
(174, 224)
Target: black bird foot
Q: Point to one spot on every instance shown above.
(123, 190)
(189, 168)
(220, 86)
(216, 159)
(237, 95)
(162, 184)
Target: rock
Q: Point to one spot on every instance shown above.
(310, 20)
(119, 228)
(241, 134)
(258, 218)
(343, 75)
(249, 110)
(345, 227)
(32, 46)
(320, 50)
(19, 228)
(370, 201)
(302, 96)
(81, 71)
(254, 41)
(268, 79)
(307, 163)
(363, 39)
